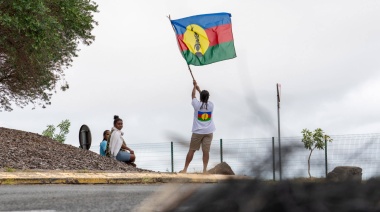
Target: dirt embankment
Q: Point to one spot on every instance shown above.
(24, 151)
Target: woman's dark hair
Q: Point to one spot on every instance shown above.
(116, 119)
(204, 95)
(104, 134)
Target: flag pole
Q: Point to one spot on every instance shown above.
(190, 71)
(188, 66)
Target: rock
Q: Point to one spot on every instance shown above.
(221, 168)
(345, 173)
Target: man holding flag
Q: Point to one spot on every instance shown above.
(202, 40)
(203, 127)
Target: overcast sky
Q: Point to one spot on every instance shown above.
(325, 54)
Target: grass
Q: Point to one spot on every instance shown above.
(7, 182)
(146, 180)
(8, 169)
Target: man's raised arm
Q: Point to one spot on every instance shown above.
(196, 87)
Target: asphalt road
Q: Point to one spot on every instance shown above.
(73, 197)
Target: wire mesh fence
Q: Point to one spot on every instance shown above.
(260, 156)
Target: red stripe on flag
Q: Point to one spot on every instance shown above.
(216, 35)
(182, 44)
(219, 34)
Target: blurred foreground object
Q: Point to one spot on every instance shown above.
(253, 195)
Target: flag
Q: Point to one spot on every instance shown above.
(205, 39)
(204, 116)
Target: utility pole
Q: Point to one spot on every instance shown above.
(279, 134)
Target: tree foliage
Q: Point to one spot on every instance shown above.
(38, 39)
(63, 131)
(314, 140)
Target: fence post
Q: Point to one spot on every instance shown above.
(274, 163)
(326, 155)
(221, 150)
(171, 145)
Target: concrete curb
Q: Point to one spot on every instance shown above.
(15, 178)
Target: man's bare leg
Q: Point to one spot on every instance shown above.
(206, 156)
(189, 158)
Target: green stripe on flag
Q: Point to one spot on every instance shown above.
(200, 119)
(223, 51)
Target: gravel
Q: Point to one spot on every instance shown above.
(30, 151)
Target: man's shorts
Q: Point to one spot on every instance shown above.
(198, 139)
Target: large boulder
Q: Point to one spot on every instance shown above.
(345, 173)
(221, 168)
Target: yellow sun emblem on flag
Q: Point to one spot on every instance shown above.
(204, 116)
(196, 39)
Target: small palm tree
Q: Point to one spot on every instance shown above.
(313, 140)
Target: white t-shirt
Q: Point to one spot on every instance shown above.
(203, 118)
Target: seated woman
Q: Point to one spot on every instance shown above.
(117, 146)
(103, 144)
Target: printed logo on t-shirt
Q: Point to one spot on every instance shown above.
(204, 116)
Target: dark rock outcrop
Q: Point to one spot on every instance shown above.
(221, 168)
(345, 173)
